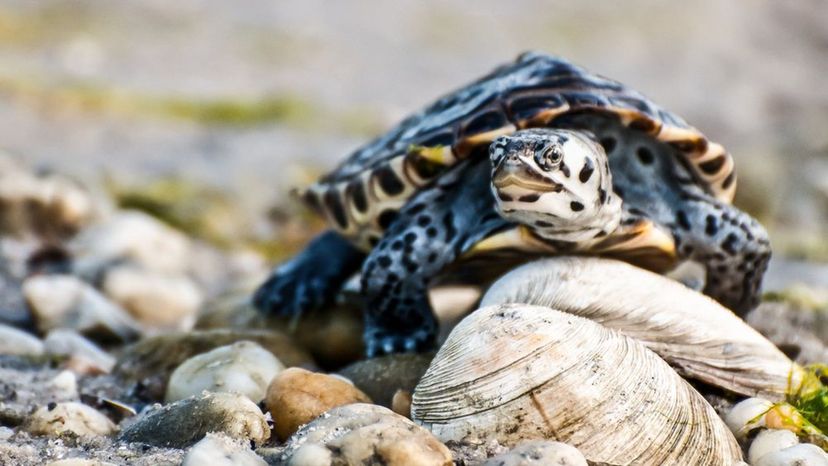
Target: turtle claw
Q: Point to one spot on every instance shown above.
(291, 291)
(380, 342)
(311, 280)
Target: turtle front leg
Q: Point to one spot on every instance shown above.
(430, 232)
(733, 247)
(310, 280)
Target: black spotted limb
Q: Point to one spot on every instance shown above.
(733, 247)
(435, 227)
(311, 280)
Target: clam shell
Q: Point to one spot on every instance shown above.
(696, 335)
(517, 372)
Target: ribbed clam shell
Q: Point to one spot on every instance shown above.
(515, 372)
(699, 337)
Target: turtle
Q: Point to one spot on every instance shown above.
(539, 157)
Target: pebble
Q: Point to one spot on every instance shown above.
(13, 309)
(133, 237)
(65, 301)
(64, 386)
(243, 367)
(158, 300)
(770, 440)
(185, 422)
(218, 450)
(151, 361)
(804, 454)
(747, 415)
(47, 205)
(71, 417)
(401, 403)
(539, 453)
(297, 396)
(364, 434)
(67, 342)
(17, 342)
(79, 462)
(380, 378)
(333, 335)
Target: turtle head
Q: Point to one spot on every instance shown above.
(555, 181)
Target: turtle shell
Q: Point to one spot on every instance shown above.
(362, 195)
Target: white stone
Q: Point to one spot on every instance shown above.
(311, 454)
(804, 454)
(747, 415)
(69, 417)
(771, 440)
(219, 450)
(17, 342)
(64, 301)
(158, 300)
(64, 385)
(130, 236)
(67, 342)
(243, 367)
(539, 453)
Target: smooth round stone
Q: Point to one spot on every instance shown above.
(158, 300)
(401, 403)
(19, 343)
(770, 440)
(79, 462)
(333, 336)
(185, 422)
(539, 453)
(364, 434)
(218, 450)
(65, 301)
(66, 342)
(64, 385)
(747, 415)
(151, 361)
(804, 454)
(297, 396)
(130, 236)
(43, 204)
(70, 417)
(243, 367)
(382, 377)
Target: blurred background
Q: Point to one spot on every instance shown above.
(207, 112)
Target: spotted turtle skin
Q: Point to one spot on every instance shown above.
(416, 201)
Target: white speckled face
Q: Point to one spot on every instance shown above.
(556, 181)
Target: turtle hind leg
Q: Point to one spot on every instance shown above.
(731, 245)
(310, 280)
(434, 228)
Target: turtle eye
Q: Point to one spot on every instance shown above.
(548, 158)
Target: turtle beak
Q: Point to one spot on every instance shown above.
(513, 172)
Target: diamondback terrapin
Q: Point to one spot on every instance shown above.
(538, 157)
